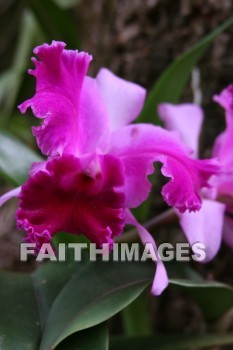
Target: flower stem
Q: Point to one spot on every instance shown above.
(164, 218)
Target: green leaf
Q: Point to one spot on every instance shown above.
(65, 298)
(94, 338)
(214, 298)
(115, 285)
(171, 342)
(63, 237)
(19, 318)
(15, 159)
(136, 317)
(97, 292)
(48, 280)
(171, 83)
(25, 300)
(55, 22)
(20, 127)
(80, 306)
(10, 81)
(66, 3)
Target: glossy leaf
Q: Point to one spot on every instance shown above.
(97, 292)
(171, 83)
(171, 342)
(48, 281)
(213, 298)
(19, 318)
(25, 300)
(65, 298)
(15, 159)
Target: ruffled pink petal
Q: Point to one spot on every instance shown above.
(225, 99)
(138, 146)
(224, 144)
(124, 99)
(65, 107)
(11, 194)
(66, 196)
(205, 226)
(186, 119)
(160, 281)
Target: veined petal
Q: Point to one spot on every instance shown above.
(185, 118)
(66, 101)
(124, 99)
(224, 144)
(94, 132)
(205, 226)
(11, 194)
(66, 196)
(138, 146)
(160, 281)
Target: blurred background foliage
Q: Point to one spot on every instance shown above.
(136, 40)
(29, 23)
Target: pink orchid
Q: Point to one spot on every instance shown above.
(98, 163)
(214, 221)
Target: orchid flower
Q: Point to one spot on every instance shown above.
(97, 162)
(214, 221)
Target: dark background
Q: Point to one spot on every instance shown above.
(137, 40)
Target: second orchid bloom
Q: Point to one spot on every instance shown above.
(213, 222)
